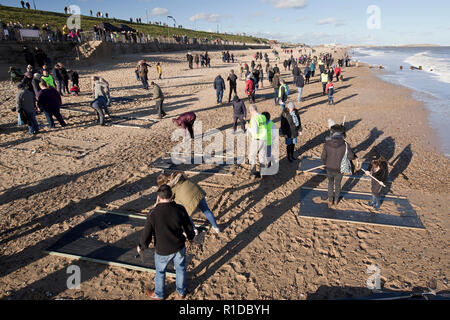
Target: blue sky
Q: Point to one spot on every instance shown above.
(306, 21)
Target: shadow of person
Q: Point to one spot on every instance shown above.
(385, 148)
(402, 162)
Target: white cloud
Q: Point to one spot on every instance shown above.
(336, 22)
(327, 21)
(159, 12)
(276, 19)
(211, 17)
(288, 4)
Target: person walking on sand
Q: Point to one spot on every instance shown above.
(232, 82)
(158, 96)
(219, 86)
(167, 226)
(159, 70)
(49, 101)
(276, 87)
(299, 81)
(334, 151)
(257, 139)
(291, 128)
(379, 170)
(190, 60)
(239, 113)
(330, 91)
(190, 195)
(186, 121)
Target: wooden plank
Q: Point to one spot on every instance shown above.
(78, 243)
(358, 192)
(106, 262)
(407, 217)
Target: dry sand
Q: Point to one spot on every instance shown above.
(51, 182)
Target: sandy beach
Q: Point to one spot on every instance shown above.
(53, 181)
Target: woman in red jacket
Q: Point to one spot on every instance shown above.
(250, 89)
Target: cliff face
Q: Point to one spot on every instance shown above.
(90, 52)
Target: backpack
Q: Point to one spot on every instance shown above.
(287, 89)
(346, 167)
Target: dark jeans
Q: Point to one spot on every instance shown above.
(59, 85)
(241, 118)
(334, 185)
(219, 94)
(324, 86)
(145, 82)
(251, 97)
(99, 105)
(49, 115)
(33, 126)
(159, 107)
(275, 97)
(189, 127)
(231, 91)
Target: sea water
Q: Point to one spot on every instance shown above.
(431, 84)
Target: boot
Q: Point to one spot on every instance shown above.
(288, 153)
(292, 152)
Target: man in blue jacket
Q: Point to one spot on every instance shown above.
(219, 85)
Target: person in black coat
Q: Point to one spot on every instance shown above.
(239, 113)
(291, 128)
(29, 58)
(333, 153)
(232, 78)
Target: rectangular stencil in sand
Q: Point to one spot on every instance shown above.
(353, 208)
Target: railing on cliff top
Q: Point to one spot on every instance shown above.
(22, 35)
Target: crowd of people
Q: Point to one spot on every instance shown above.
(41, 89)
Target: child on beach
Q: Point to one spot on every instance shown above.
(330, 92)
(159, 69)
(379, 170)
(74, 91)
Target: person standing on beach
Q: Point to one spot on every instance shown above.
(276, 86)
(283, 94)
(250, 89)
(190, 60)
(312, 68)
(337, 72)
(239, 113)
(142, 72)
(197, 60)
(158, 96)
(159, 70)
(49, 100)
(379, 170)
(232, 81)
(219, 86)
(100, 103)
(324, 80)
(269, 127)
(291, 128)
(25, 106)
(330, 91)
(167, 226)
(334, 150)
(258, 142)
(299, 81)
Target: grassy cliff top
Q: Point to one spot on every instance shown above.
(58, 20)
